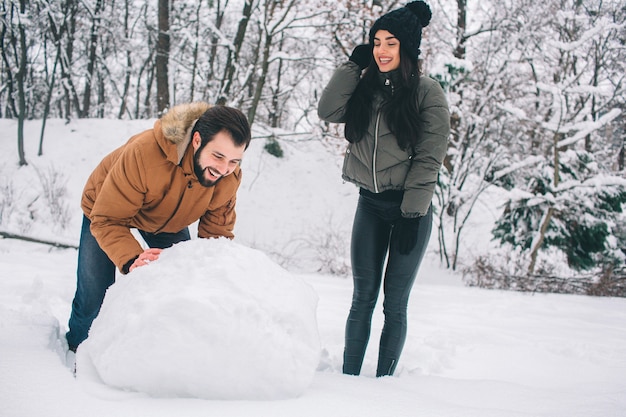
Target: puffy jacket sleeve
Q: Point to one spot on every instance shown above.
(119, 200)
(430, 151)
(219, 219)
(332, 105)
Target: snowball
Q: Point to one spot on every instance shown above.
(209, 319)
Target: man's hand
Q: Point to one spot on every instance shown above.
(149, 255)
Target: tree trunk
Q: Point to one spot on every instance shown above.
(233, 55)
(147, 104)
(91, 60)
(129, 63)
(548, 216)
(539, 241)
(461, 22)
(21, 80)
(219, 18)
(69, 23)
(148, 68)
(101, 96)
(258, 91)
(162, 57)
(11, 106)
(46, 108)
(459, 53)
(194, 62)
(275, 111)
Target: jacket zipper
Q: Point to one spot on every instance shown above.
(374, 176)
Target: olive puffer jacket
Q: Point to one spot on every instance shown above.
(149, 184)
(376, 162)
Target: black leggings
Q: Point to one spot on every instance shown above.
(372, 239)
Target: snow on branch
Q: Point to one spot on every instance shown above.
(601, 27)
(590, 127)
(531, 160)
(599, 181)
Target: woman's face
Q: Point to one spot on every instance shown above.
(386, 51)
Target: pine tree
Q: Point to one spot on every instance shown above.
(587, 212)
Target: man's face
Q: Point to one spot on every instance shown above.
(217, 159)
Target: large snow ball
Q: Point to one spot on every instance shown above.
(209, 319)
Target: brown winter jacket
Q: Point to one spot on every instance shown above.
(149, 184)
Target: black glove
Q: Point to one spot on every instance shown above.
(362, 55)
(405, 231)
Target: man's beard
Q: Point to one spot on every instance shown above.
(199, 171)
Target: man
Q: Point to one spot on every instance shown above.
(162, 180)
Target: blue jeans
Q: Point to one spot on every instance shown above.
(96, 273)
(373, 240)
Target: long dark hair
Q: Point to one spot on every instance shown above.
(400, 109)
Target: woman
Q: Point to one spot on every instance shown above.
(397, 123)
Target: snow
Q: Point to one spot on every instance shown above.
(240, 327)
(469, 351)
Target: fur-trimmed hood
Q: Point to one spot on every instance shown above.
(178, 122)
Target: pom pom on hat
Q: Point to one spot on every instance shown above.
(406, 24)
(421, 10)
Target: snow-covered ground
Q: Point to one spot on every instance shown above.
(469, 352)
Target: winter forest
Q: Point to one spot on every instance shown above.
(537, 93)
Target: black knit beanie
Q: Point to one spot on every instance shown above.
(405, 24)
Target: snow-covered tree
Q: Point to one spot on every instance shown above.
(571, 198)
(586, 206)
